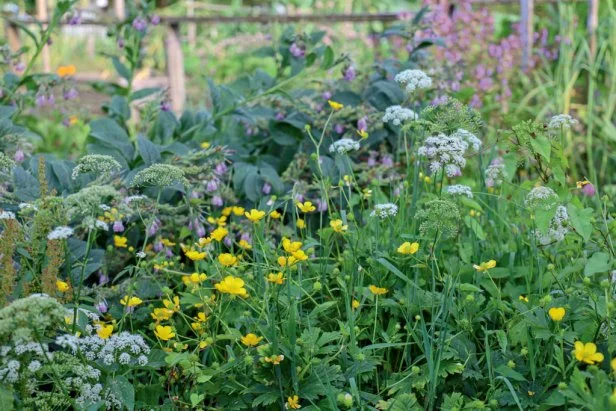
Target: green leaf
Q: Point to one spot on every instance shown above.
(122, 70)
(474, 225)
(27, 187)
(328, 58)
(6, 398)
(598, 263)
(581, 220)
(542, 145)
(108, 132)
(143, 93)
(150, 153)
(123, 390)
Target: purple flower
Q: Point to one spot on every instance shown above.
(299, 197)
(165, 105)
(349, 73)
(387, 161)
(118, 227)
(220, 169)
(211, 185)
(140, 24)
(158, 247)
(19, 67)
(40, 100)
(168, 252)
(362, 124)
(297, 51)
(279, 116)
(339, 128)
(102, 307)
(74, 20)
(589, 190)
(227, 241)
(102, 278)
(326, 95)
(267, 188)
(121, 43)
(155, 20)
(246, 237)
(71, 93)
(371, 161)
(321, 205)
(19, 156)
(154, 227)
(217, 201)
(200, 231)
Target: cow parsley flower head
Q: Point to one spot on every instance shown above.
(344, 146)
(159, 175)
(60, 233)
(398, 115)
(445, 153)
(412, 80)
(7, 215)
(495, 173)
(99, 164)
(469, 137)
(558, 228)
(560, 122)
(383, 211)
(541, 198)
(439, 216)
(459, 190)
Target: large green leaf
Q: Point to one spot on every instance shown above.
(107, 132)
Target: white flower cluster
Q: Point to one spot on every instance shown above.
(384, 210)
(92, 223)
(469, 137)
(558, 228)
(123, 348)
(445, 153)
(412, 80)
(398, 115)
(99, 164)
(541, 198)
(60, 233)
(130, 199)
(495, 173)
(7, 215)
(560, 122)
(85, 382)
(459, 190)
(344, 146)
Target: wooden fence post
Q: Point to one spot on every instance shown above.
(526, 30)
(11, 32)
(175, 67)
(119, 8)
(192, 27)
(591, 25)
(41, 14)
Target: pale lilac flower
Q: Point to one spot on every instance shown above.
(19, 156)
(118, 227)
(349, 73)
(589, 190)
(326, 95)
(221, 168)
(140, 24)
(211, 185)
(217, 201)
(155, 20)
(267, 188)
(362, 124)
(297, 51)
(102, 307)
(339, 128)
(71, 94)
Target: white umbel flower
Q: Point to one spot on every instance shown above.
(469, 137)
(60, 233)
(7, 215)
(445, 153)
(398, 115)
(412, 80)
(459, 190)
(344, 146)
(560, 122)
(383, 211)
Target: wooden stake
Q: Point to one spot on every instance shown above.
(120, 9)
(41, 14)
(526, 30)
(175, 68)
(591, 25)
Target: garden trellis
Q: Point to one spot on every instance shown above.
(173, 41)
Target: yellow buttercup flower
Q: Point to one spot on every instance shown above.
(173, 305)
(64, 71)
(485, 266)
(275, 214)
(250, 340)
(556, 313)
(104, 331)
(355, 304)
(245, 245)
(203, 241)
(238, 211)
(166, 242)
(164, 332)
(131, 301)
(291, 246)
(363, 134)
(232, 285)
(301, 224)
(195, 255)
(293, 403)
(219, 221)
(62, 286)
(205, 145)
(306, 207)
(287, 261)
(587, 353)
(523, 298)
(408, 248)
(377, 290)
(227, 211)
(254, 215)
(613, 364)
(194, 279)
(119, 241)
(277, 278)
(161, 314)
(219, 233)
(228, 260)
(274, 359)
(338, 226)
(300, 255)
(335, 105)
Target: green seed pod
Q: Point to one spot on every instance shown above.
(317, 286)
